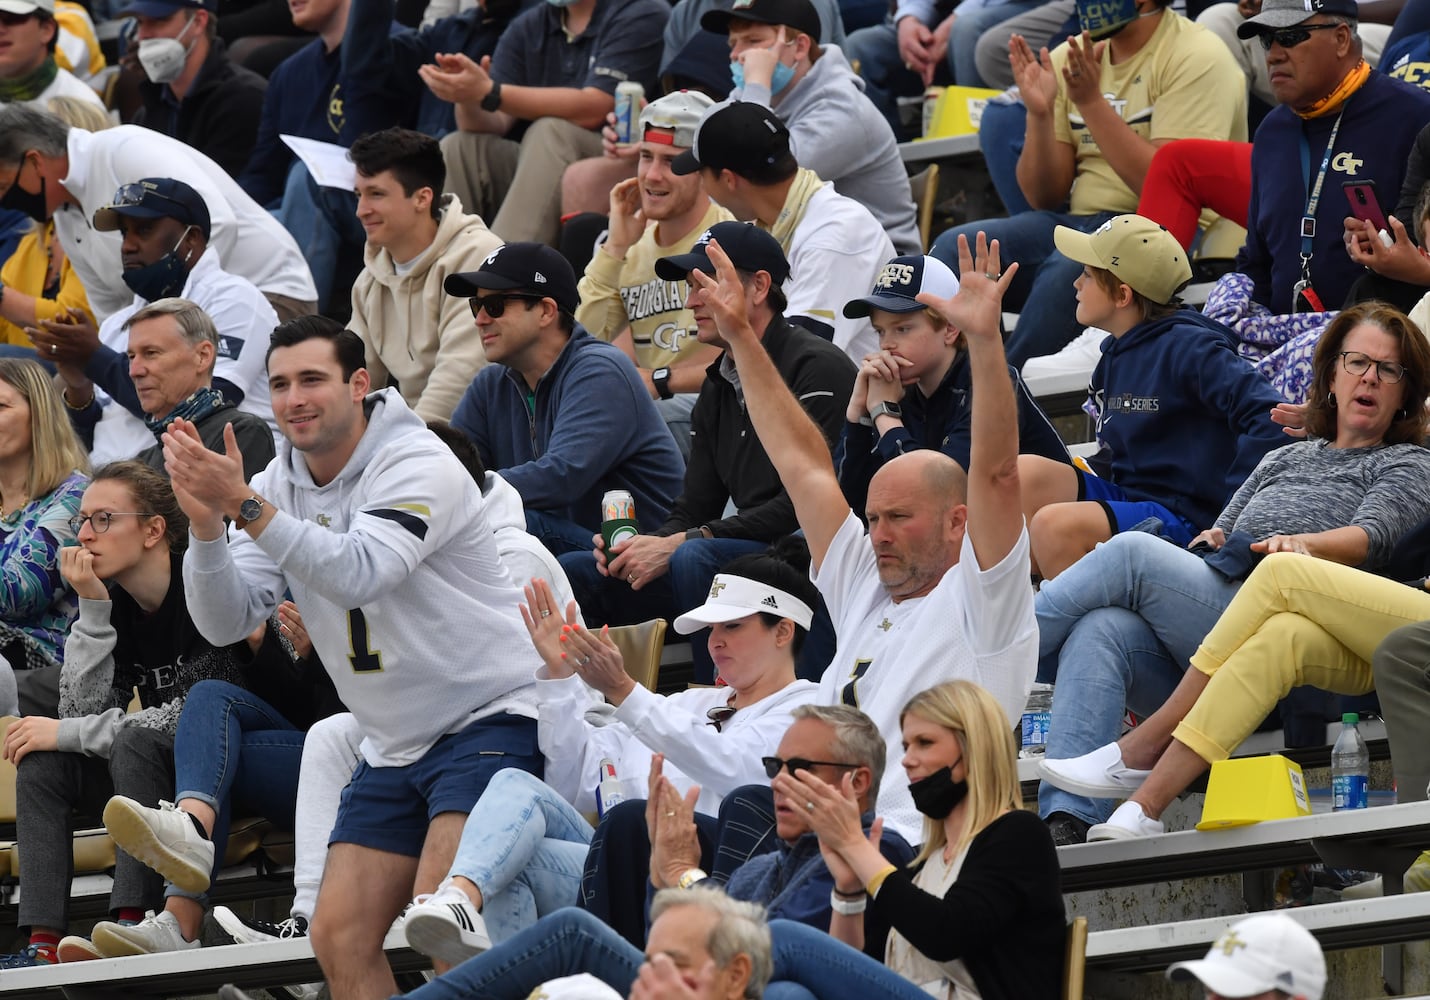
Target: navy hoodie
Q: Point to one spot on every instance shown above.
(1183, 419)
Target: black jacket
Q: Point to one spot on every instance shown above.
(727, 461)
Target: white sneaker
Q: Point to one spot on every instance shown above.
(1128, 822)
(77, 949)
(152, 935)
(1099, 775)
(249, 930)
(446, 926)
(164, 839)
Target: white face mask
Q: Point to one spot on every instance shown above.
(163, 58)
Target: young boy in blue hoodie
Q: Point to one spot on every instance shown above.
(1181, 418)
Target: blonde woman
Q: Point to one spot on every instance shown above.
(978, 914)
(43, 472)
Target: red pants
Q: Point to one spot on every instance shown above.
(1188, 175)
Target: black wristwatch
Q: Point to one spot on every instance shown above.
(661, 378)
(249, 511)
(492, 102)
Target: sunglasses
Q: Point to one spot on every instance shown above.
(774, 765)
(12, 20)
(1289, 38)
(495, 305)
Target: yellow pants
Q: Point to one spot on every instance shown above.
(1297, 620)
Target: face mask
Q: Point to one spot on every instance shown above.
(163, 58)
(779, 80)
(938, 794)
(1105, 18)
(163, 278)
(17, 199)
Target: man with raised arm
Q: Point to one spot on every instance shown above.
(938, 588)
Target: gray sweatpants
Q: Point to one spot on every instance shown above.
(51, 786)
(1402, 679)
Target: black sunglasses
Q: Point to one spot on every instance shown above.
(11, 19)
(774, 765)
(495, 305)
(1289, 38)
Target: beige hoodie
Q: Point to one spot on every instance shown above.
(415, 333)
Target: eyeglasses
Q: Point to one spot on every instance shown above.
(1358, 364)
(774, 765)
(1289, 38)
(99, 520)
(495, 305)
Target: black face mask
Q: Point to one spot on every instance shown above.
(17, 199)
(163, 278)
(938, 794)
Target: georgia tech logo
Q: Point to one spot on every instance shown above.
(1346, 163)
(895, 274)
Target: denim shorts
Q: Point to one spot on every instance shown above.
(1123, 514)
(389, 808)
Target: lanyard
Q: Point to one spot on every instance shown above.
(1308, 220)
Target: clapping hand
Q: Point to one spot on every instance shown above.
(976, 308)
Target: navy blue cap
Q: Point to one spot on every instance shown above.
(749, 248)
(155, 198)
(165, 8)
(899, 283)
(797, 14)
(528, 267)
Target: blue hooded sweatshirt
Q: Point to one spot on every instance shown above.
(1182, 419)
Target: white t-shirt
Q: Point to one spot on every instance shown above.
(835, 254)
(975, 625)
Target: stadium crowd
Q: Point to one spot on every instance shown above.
(335, 334)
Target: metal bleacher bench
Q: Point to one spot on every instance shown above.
(939, 149)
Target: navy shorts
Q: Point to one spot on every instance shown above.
(1124, 514)
(390, 808)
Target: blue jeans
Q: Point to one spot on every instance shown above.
(558, 534)
(565, 943)
(1116, 631)
(827, 968)
(1042, 292)
(232, 746)
(26, 354)
(298, 212)
(524, 847)
(1000, 138)
(968, 27)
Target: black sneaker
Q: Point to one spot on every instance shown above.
(1066, 829)
(248, 930)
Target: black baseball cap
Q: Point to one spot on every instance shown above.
(528, 267)
(749, 248)
(739, 136)
(797, 14)
(155, 198)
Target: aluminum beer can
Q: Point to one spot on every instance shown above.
(618, 517)
(629, 97)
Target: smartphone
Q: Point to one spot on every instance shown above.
(1364, 204)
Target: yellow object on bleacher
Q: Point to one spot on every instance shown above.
(958, 111)
(1246, 790)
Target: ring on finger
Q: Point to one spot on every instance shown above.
(545, 612)
(809, 806)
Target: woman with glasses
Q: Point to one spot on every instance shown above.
(1118, 629)
(526, 842)
(978, 913)
(133, 631)
(42, 476)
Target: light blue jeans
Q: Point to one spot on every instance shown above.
(1116, 631)
(524, 847)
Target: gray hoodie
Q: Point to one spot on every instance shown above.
(838, 133)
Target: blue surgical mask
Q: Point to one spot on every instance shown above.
(779, 79)
(163, 278)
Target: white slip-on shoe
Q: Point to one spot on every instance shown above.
(1099, 775)
(75, 948)
(446, 926)
(165, 839)
(1127, 822)
(152, 935)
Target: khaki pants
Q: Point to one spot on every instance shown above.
(517, 186)
(1297, 620)
(289, 308)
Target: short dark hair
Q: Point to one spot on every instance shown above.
(782, 169)
(153, 493)
(46, 18)
(462, 447)
(347, 345)
(774, 298)
(414, 159)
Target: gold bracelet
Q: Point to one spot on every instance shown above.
(878, 880)
(65, 395)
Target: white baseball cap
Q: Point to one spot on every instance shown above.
(734, 597)
(1266, 951)
(28, 6)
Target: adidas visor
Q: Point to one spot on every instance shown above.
(733, 597)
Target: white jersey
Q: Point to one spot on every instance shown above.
(576, 733)
(397, 573)
(975, 625)
(244, 320)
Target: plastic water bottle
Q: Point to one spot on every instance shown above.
(608, 787)
(1350, 767)
(1037, 718)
